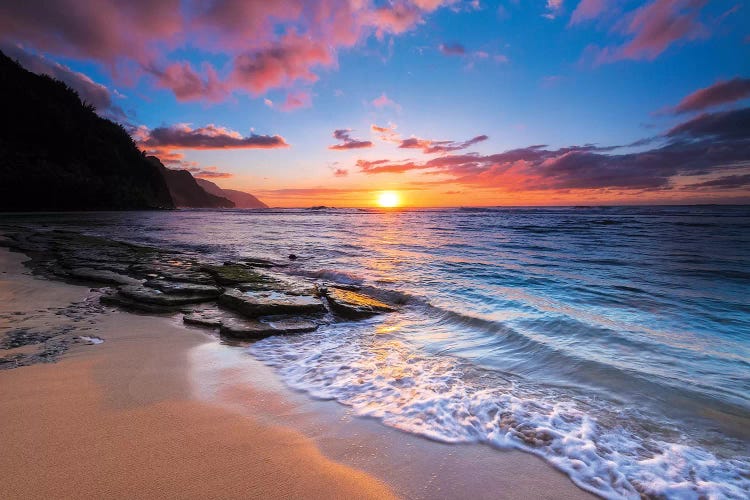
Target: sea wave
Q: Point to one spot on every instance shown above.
(615, 452)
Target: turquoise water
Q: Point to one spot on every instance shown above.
(614, 342)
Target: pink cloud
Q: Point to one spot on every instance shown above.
(208, 173)
(387, 133)
(383, 101)
(719, 93)
(187, 84)
(105, 30)
(269, 44)
(280, 64)
(654, 28)
(587, 10)
(182, 136)
(553, 8)
(296, 100)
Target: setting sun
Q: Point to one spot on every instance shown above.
(388, 199)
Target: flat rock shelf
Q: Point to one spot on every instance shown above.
(248, 299)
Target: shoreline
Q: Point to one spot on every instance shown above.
(128, 389)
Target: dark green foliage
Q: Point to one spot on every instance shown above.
(56, 153)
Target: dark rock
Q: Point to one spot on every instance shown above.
(254, 262)
(102, 276)
(189, 289)
(115, 299)
(251, 329)
(233, 274)
(254, 304)
(208, 318)
(183, 273)
(148, 295)
(354, 305)
(232, 325)
(270, 281)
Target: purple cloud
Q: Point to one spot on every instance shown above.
(182, 136)
(721, 92)
(709, 143)
(452, 49)
(348, 142)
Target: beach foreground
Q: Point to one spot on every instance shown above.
(130, 417)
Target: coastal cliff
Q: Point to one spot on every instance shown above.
(56, 153)
(240, 199)
(185, 190)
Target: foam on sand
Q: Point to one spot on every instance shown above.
(613, 452)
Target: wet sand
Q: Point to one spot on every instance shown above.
(161, 410)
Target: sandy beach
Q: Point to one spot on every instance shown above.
(161, 410)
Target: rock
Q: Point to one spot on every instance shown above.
(251, 329)
(254, 304)
(270, 281)
(115, 299)
(255, 262)
(293, 325)
(235, 326)
(233, 274)
(354, 305)
(208, 318)
(153, 296)
(176, 288)
(102, 276)
(292, 256)
(182, 273)
(246, 329)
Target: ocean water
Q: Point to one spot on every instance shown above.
(613, 342)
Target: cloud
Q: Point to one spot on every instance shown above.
(387, 133)
(341, 172)
(655, 27)
(719, 93)
(182, 136)
(452, 49)
(90, 91)
(296, 100)
(208, 172)
(587, 10)
(719, 126)
(553, 8)
(280, 64)
(268, 44)
(383, 101)
(347, 141)
(709, 143)
(726, 182)
(429, 146)
(187, 84)
(86, 28)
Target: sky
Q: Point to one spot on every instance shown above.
(448, 103)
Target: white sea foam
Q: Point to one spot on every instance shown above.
(92, 340)
(442, 398)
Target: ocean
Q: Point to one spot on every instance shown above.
(614, 342)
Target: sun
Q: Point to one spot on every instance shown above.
(388, 199)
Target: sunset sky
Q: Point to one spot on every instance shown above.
(450, 103)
